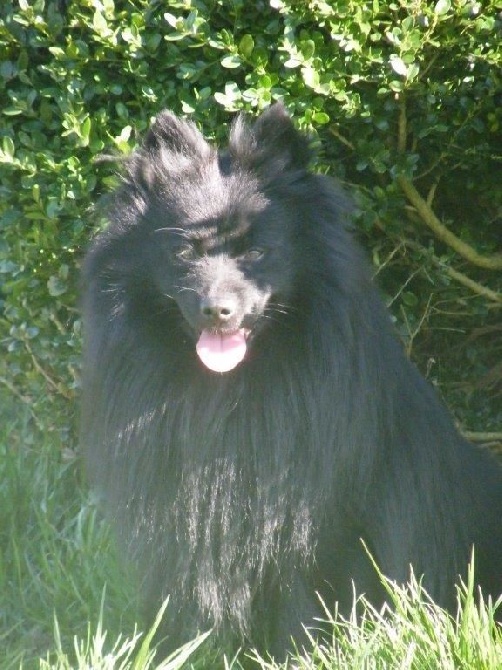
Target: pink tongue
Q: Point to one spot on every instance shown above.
(221, 353)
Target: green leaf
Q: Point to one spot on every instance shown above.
(8, 146)
(32, 332)
(308, 49)
(310, 77)
(231, 62)
(398, 65)
(7, 267)
(85, 131)
(442, 7)
(413, 70)
(56, 286)
(292, 63)
(171, 19)
(230, 97)
(99, 24)
(175, 36)
(321, 118)
(409, 298)
(122, 140)
(246, 46)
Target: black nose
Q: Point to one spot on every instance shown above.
(218, 310)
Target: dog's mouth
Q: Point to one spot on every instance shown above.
(222, 351)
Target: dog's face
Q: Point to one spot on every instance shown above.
(225, 257)
(221, 241)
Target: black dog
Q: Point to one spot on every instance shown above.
(248, 413)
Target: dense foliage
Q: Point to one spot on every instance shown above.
(404, 94)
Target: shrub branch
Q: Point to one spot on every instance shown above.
(457, 276)
(428, 217)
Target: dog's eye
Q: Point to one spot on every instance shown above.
(185, 253)
(190, 251)
(254, 254)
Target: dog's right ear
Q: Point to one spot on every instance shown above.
(171, 145)
(174, 135)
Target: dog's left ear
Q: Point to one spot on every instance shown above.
(271, 146)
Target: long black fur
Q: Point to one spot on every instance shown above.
(243, 494)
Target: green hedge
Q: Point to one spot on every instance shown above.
(404, 94)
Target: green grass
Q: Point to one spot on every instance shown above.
(67, 603)
(55, 553)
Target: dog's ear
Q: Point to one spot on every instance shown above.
(171, 134)
(171, 146)
(271, 146)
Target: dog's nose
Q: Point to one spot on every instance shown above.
(218, 310)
